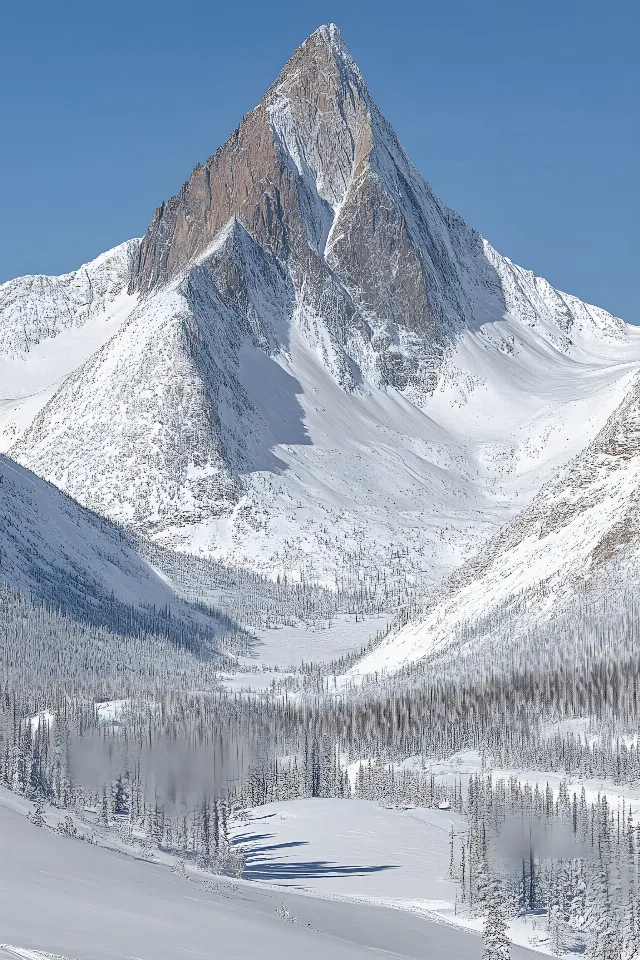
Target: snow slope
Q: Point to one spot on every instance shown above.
(51, 325)
(357, 851)
(583, 519)
(325, 372)
(81, 901)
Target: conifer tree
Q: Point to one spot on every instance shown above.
(495, 938)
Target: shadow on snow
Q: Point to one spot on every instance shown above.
(261, 866)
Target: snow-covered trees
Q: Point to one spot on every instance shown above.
(531, 850)
(558, 930)
(37, 815)
(495, 937)
(120, 798)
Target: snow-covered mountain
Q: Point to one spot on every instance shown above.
(581, 523)
(315, 365)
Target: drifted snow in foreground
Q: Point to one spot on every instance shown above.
(78, 900)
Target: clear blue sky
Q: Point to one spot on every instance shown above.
(523, 115)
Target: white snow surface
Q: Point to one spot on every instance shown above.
(55, 549)
(314, 642)
(580, 520)
(51, 325)
(80, 900)
(353, 849)
(297, 474)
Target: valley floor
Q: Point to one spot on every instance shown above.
(316, 642)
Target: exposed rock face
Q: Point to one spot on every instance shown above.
(318, 178)
(282, 173)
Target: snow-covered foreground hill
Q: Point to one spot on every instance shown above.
(82, 901)
(309, 366)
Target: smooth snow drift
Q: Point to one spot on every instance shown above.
(81, 901)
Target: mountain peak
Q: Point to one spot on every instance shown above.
(330, 36)
(283, 173)
(321, 65)
(328, 32)
(322, 354)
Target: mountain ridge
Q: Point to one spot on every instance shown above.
(56, 552)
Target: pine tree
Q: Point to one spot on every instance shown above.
(452, 869)
(605, 941)
(558, 931)
(630, 932)
(496, 941)
(120, 799)
(104, 809)
(215, 822)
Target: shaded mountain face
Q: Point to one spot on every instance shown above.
(318, 368)
(53, 550)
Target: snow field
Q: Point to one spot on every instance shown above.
(80, 900)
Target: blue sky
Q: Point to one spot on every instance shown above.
(523, 115)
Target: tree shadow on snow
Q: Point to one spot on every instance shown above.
(251, 837)
(261, 867)
(306, 870)
(256, 851)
